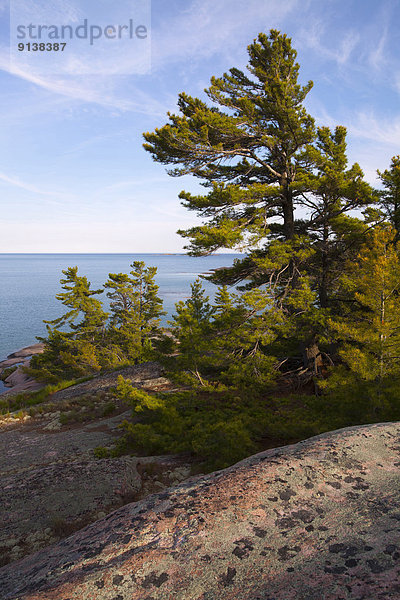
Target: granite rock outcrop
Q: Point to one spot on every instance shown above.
(318, 519)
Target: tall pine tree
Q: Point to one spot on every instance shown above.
(274, 189)
(248, 147)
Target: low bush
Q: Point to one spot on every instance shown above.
(213, 427)
(220, 429)
(101, 452)
(7, 372)
(108, 409)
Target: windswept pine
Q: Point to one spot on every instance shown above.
(250, 149)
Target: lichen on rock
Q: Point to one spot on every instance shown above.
(319, 519)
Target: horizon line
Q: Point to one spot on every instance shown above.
(119, 253)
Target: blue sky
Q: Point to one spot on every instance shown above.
(73, 174)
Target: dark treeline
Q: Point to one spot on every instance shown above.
(309, 338)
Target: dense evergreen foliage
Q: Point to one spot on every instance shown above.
(136, 309)
(278, 188)
(308, 340)
(94, 339)
(390, 195)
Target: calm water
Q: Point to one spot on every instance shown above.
(29, 283)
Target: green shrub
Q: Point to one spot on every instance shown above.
(108, 409)
(214, 427)
(220, 428)
(223, 443)
(64, 418)
(101, 452)
(7, 372)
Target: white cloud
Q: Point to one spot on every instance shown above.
(93, 75)
(372, 139)
(347, 45)
(363, 124)
(43, 10)
(127, 183)
(202, 29)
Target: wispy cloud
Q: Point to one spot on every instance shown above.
(127, 183)
(347, 45)
(314, 35)
(219, 30)
(372, 139)
(86, 74)
(105, 91)
(377, 56)
(366, 125)
(21, 184)
(28, 187)
(207, 27)
(377, 33)
(364, 51)
(43, 10)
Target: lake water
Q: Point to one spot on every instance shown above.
(29, 283)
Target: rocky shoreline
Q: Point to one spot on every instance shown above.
(18, 380)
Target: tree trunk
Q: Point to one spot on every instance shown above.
(312, 358)
(288, 217)
(323, 287)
